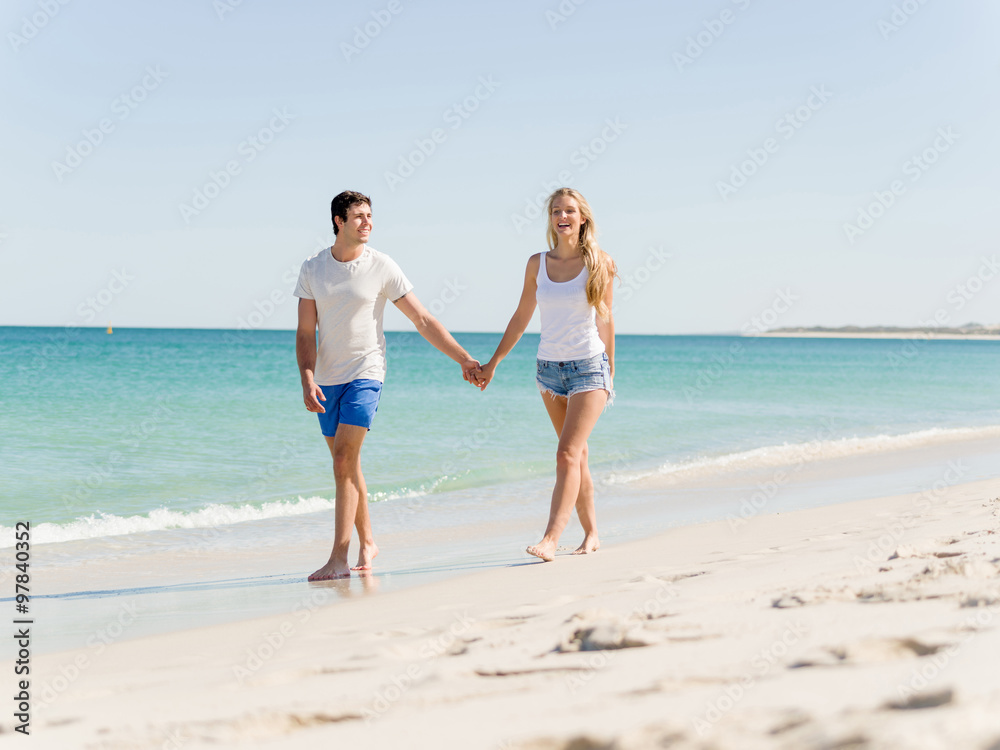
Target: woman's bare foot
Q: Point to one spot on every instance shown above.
(544, 550)
(330, 571)
(366, 556)
(590, 544)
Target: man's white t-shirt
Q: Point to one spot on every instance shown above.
(350, 302)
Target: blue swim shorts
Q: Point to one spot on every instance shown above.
(350, 403)
(575, 376)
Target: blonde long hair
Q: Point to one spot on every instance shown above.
(601, 269)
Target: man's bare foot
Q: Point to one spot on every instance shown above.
(330, 571)
(590, 544)
(546, 551)
(366, 556)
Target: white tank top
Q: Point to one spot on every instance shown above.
(569, 322)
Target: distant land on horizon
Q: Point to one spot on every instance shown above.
(969, 330)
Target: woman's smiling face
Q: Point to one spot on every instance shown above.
(566, 217)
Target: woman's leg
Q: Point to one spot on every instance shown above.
(585, 511)
(582, 412)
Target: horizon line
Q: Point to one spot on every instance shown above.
(292, 330)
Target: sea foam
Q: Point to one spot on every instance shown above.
(105, 524)
(788, 454)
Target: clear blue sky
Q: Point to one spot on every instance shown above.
(833, 99)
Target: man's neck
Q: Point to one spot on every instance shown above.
(345, 251)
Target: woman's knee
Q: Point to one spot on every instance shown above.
(569, 459)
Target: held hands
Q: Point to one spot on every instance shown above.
(477, 374)
(470, 372)
(486, 373)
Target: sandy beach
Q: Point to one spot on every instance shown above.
(867, 624)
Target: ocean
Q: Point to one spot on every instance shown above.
(152, 429)
(185, 442)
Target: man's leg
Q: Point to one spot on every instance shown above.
(345, 448)
(364, 526)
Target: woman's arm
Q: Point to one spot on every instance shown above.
(518, 321)
(606, 328)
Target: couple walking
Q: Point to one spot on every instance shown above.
(342, 293)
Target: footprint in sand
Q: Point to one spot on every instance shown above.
(922, 700)
(814, 596)
(869, 651)
(667, 578)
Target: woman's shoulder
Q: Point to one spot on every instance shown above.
(535, 261)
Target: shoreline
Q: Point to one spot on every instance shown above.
(200, 522)
(793, 630)
(256, 569)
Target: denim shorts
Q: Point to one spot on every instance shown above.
(353, 403)
(575, 376)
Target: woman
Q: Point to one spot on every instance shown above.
(571, 285)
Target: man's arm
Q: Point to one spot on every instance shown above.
(305, 353)
(436, 334)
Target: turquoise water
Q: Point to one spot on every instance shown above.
(155, 429)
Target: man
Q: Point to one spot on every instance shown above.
(342, 291)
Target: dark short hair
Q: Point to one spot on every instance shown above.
(340, 205)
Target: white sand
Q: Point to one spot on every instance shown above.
(796, 630)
